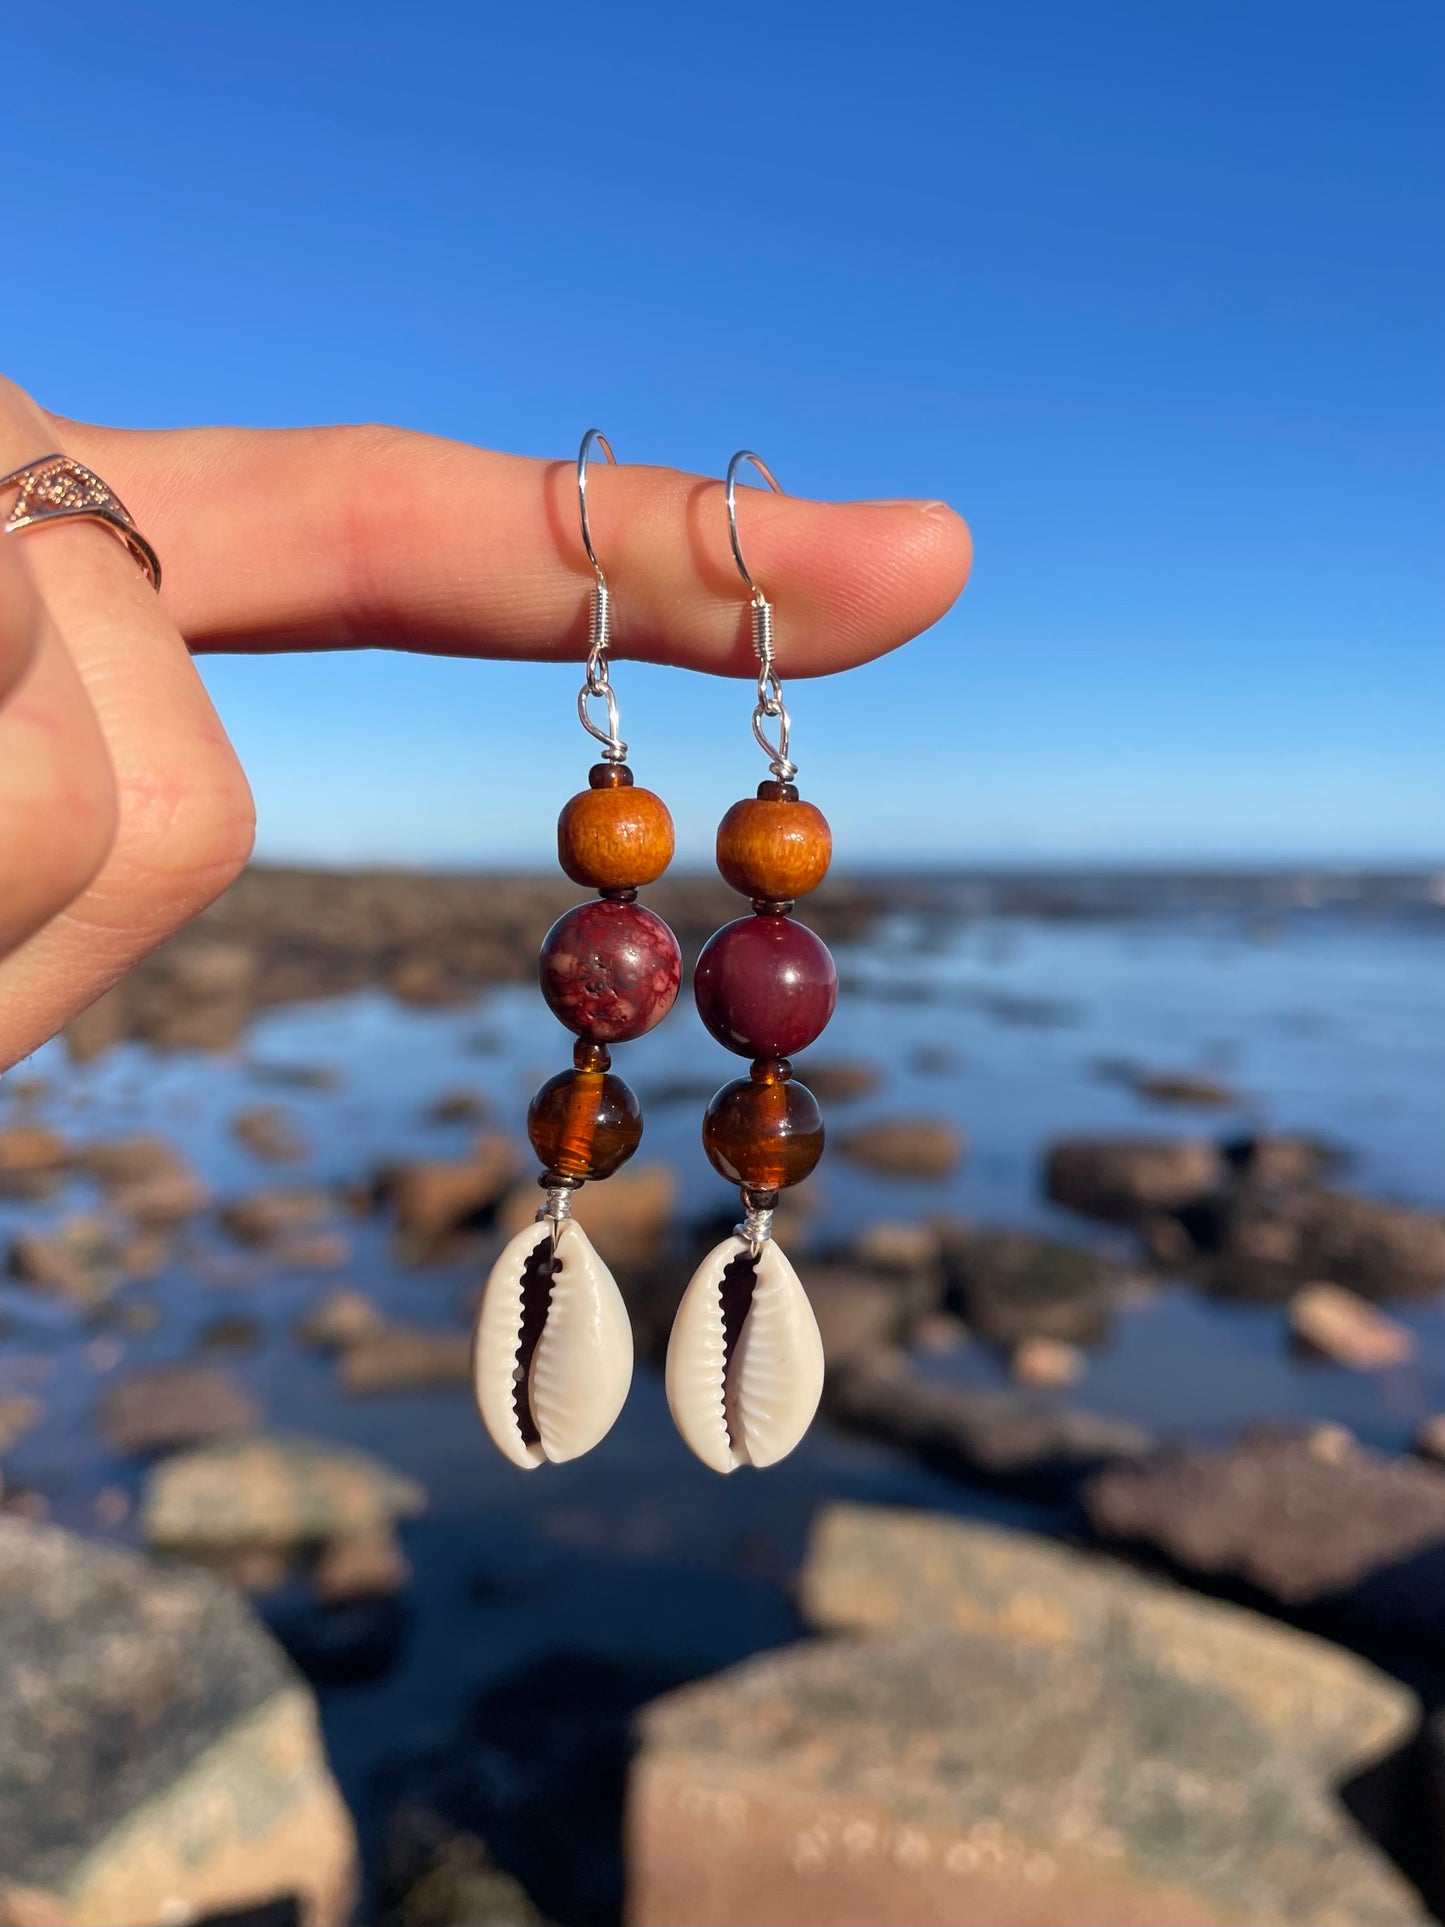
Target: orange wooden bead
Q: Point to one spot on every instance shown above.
(615, 838)
(774, 848)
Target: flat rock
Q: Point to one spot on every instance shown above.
(276, 1491)
(881, 1569)
(1127, 1180)
(434, 1198)
(1048, 1363)
(905, 1147)
(1303, 1524)
(1275, 1162)
(1270, 1243)
(1010, 1286)
(168, 1406)
(1005, 1435)
(406, 1358)
(19, 1413)
(145, 1179)
(79, 1260)
(367, 1565)
(628, 1218)
(1330, 1322)
(33, 1160)
(343, 1317)
(858, 1313)
(1185, 1089)
(162, 1761)
(264, 1218)
(458, 1107)
(839, 1080)
(269, 1132)
(900, 1247)
(962, 1779)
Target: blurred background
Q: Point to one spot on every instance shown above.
(1107, 1586)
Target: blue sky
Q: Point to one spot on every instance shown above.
(1154, 294)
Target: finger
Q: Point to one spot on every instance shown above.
(57, 796)
(348, 537)
(183, 815)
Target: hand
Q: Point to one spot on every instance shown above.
(123, 810)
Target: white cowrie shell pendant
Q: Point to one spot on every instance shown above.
(750, 1401)
(551, 1394)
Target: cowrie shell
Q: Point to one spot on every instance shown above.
(750, 1405)
(562, 1399)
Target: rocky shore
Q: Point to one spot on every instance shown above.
(233, 1399)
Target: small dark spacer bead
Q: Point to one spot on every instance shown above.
(626, 894)
(609, 776)
(770, 1070)
(774, 792)
(591, 1057)
(756, 1200)
(773, 906)
(559, 1181)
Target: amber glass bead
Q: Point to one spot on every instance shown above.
(610, 971)
(763, 1135)
(774, 849)
(614, 836)
(584, 1123)
(765, 986)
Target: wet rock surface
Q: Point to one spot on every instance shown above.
(160, 1754)
(173, 1405)
(1010, 1286)
(1303, 1519)
(406, 1358)
(904, 1147)
(275, 1491)
(1005, 1435)
(939, 1777)
(1127, 1180)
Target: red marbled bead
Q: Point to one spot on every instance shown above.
(610, 971)
(765, 986)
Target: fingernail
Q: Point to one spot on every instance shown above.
(904, 502)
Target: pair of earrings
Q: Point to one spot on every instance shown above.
(552, 1354)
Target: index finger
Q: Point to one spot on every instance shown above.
(363, 537)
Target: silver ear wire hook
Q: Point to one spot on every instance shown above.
(599, 623)
(770, 704)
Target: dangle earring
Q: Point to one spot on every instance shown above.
(745, 1361)
(552, 1352)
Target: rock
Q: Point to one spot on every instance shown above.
(269, 1133)
(173, 1405)
(1271, 1243)
(1354, 1529)
(940, 1332)
(434, 1875)
(904, 1248)
(1127, 1180)
(879, 1569)
(981, 1780)
(839, 1081)
(78, 1261)
(434, 1199)
(1180, 1087)
(233, 1332)
(1430, 1438)
(145, 1179)
(162, 1761)
(277, 1491)
(265, 1217)
(1010, 1285)
(343, 1317)
(1333, 1323)
(313, 1251)
(255, 1570)
(905, 1147)
(406, 1358)
(367, 1565)
(1277, 1163)
(858, 1314)
(33, 1160)
(628, 1217)
(1005, 1435)
(457, 1107)
(96, 1029)
(1050, 1363)
(111, 1507)
(20, 1412)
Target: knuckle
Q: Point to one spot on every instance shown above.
(185, 832)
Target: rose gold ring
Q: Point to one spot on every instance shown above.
(58, 486)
